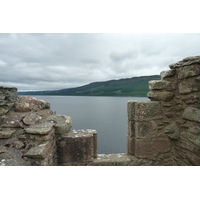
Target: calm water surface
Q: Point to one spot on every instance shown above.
(107, 115)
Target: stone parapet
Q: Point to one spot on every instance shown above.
(28, 131)
(77, 146)
(178, 92)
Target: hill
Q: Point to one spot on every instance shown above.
(135, 86)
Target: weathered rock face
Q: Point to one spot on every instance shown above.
(32, 134)
(27, 137)
(173, 138)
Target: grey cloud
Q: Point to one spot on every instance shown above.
(120, 56)
(56, 61)
(90, 61)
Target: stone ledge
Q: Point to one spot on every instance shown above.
(6, 134)
(160, 95)
(40, 129)
(119, 159)
(38, 152)
(186, 61)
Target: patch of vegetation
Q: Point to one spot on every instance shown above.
(136, 86)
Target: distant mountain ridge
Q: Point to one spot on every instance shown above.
(135, 86)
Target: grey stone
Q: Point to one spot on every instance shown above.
(4, 109)
(188, 71)
(192, 114)
(120, 159)
(186, 87)
(31, 118)
(194, 135)
(13, 120)
(160, 95)
(198, 78)
(172, 130)
(165, 74)
(146, 129)
(8, 95)
(158, 85)
(6, 134)
(3, 149)
(40, 129)
(62, 125)
(27, 104)
(18, 145)
(9, 162)
(186, 62)
(146, 111)
(76, 146)
(38, 152)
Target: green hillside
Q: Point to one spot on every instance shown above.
(136, 86)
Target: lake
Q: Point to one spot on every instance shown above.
(107, 115)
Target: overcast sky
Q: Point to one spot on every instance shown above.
(57, 61)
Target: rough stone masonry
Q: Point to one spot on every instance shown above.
(164, 131)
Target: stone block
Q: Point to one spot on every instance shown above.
(159, 85)
(160, 95)
(62, 125)
(89, 131)
(76, 146)
(165, 74)
(192, 114)
(172, 130)
(186, 62)
(146, 129)
(39, 152)
(18, 144)
(192, 98)
(131, 128)
(194, 135)
(188, 71)
(13, 120)
(27, 104)
(188, 86)
(40, 129)
(4, 109)
(198, 79)
(7, 95)
(120, 159)
(149, 110)
(150, 148)
(41, 137)
(131, 145)
(31, 118)
(131, 109)
(6, 134)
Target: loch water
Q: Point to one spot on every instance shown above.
(107, 115)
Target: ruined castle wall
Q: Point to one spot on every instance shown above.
(28, 130)
(31, 134)
(166, 130)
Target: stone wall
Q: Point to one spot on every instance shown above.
(163, 131)
(166, 130)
